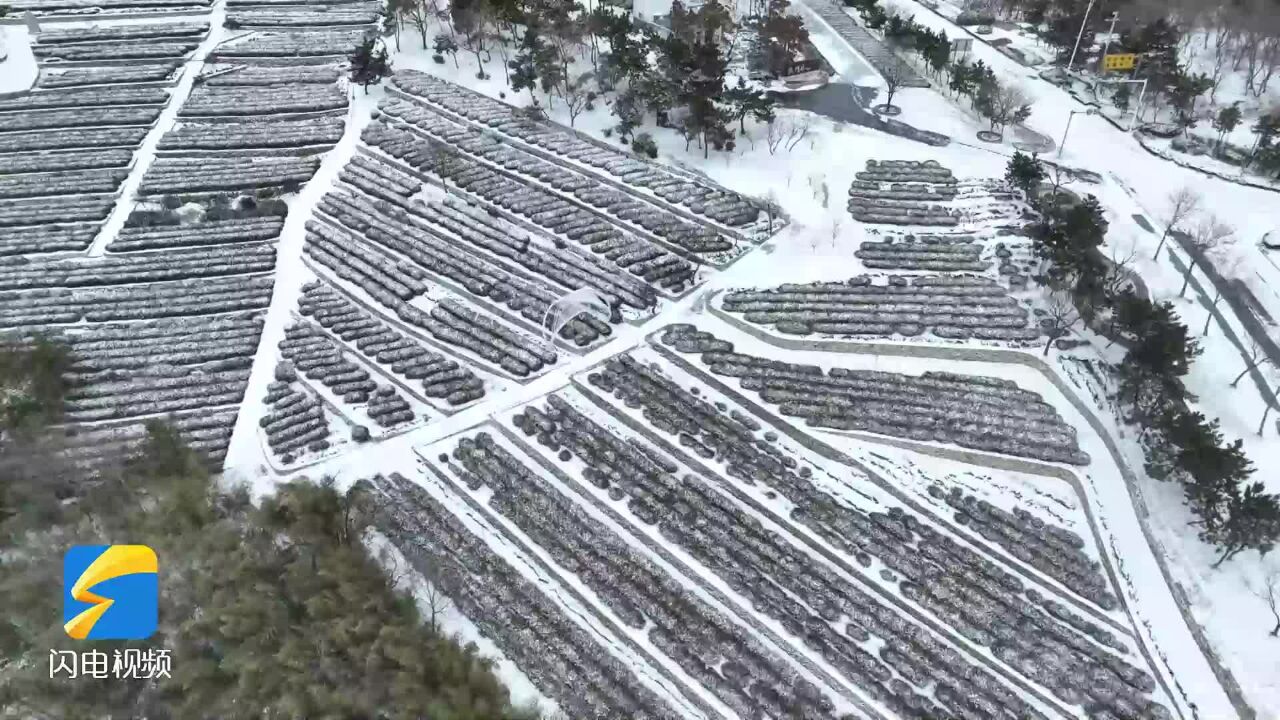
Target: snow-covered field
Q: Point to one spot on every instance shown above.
(695, 513)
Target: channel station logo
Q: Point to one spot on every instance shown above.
(110, 592)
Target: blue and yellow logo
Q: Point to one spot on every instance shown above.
(110, 592)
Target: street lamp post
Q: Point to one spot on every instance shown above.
(1107, 45)
(1080, 35)
(1090, 111)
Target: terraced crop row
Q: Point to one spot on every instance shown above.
(296, 44)
(59, 7)
(56, 77)
(80, 117)
(69, 138)
(270, 75)
(62, 182)
(189, 174)
(716, 652)
(208, 431)
(563, 660)
(46, 238)
(85, 98)
(256, 133)
(906, 668)
(953, 307)
(27, 162)
(441, 377)
(222, 232)
(365, 13)
(903, 192)
(140, 268)
(436, 252)
(654, 263)
(197, 296)
(319, 358)
(140, 31)
(1081, 662)
(213, 100)
(61, 209)
(983, 413)
(295, 422)
(115, 50)
(624, 206)
(392, 284)
(466, 223)
(701, 197)
(924, 252)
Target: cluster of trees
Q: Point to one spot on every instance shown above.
(1233, 512)
(678, 78)
(275, 610)
(369, 62)
(1000, 103)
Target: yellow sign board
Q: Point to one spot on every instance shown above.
(1124, 61)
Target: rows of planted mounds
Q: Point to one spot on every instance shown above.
(562, 659)
(934, 253)
(465, 223)
(61, 182)
(222, 100)
(103, 444)
(441, 377)
(198, 262)
(139, 31)
(87, 97)
(47, 161)
(254, 133)
(972, 411)
(1055, 551)
(295, 421)
(105, 7)
(359, 13)
(540, 206)
(196, 296)
(1075, 658)
(47, 238)
(132, 369)
(80, 117)
(65, 77)
(903, 192)
(289, 44)
(220, 75)
(68, 138)
(319, 358)
(207, 232)
(695, 193)
(393, 284)
(203, 174)
(423, 238)
(116, 50)
(60, 209)
(468, 143)
(716, 652)
(947, 306)
(906, 668)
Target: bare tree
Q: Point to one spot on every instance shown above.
(1062, 316)
(1121, 269)
(1181, 205)
(1227, 269)
(433, 596)
(576, 97)
(1208, 235)
(771, 207)
(1256, 357)
(420, 13)
(1007, 104)
(894, 74)
(1268, 591)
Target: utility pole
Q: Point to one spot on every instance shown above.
(1080, 35)
(1102, 61)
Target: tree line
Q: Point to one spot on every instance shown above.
(560, 52)
(1001, 103)
(269, 610)
(1233, 512)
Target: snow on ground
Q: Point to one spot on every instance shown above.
(810, 181)
(18, 69)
